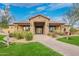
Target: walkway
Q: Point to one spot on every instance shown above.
(63, 48)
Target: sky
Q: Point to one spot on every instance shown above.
(24, 11)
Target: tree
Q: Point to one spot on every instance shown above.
(72, 17)
(4, 22)
(5, 19)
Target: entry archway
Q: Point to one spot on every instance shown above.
(39, 27)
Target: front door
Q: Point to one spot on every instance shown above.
(39, 27)
(39, 30)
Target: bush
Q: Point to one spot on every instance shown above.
(52, 34)
(73, 30)
(49, 34)
(11, 35)
(21, 35)
(2, 44)
(60, 33)
(28, 36)
(18, 35)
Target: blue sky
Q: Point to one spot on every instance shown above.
(23, 11)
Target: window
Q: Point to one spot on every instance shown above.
(52, 28)
(27, 28)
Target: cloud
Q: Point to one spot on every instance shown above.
(41, 8)
(31, 12)
(59, 5)
(51, 6)
(59, 19)
(28, 5)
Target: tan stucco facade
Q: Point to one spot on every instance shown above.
(39, 24)
(39, 19)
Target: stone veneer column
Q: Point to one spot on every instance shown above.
(46, 28)
(32, 27)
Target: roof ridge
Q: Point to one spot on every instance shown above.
(39, 15)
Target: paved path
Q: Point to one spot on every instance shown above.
(63, 48)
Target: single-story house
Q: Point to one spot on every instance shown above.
(38, 24)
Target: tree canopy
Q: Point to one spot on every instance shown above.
(72, 17)
(5, 18)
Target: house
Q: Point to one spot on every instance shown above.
(38, 24)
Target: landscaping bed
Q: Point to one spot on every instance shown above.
(30, 49)
(72, 40)
(27, 35)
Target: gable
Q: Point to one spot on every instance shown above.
(39, 18)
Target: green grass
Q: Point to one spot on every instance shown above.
(30, 49)
(72, 40)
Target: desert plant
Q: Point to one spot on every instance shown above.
(53, 34)
(73, 30)
(2, 44)
(28, 36)
(60, 33)
(11, 34)
(17, 35)
(21, 35)
(49, 34)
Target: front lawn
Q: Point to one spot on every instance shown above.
(72, 40)
(30, 49)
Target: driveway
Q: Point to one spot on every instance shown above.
(61, 47)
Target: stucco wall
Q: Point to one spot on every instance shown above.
(60, 29)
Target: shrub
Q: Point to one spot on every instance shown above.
(28, 36)
(18, 35)
(1, 37)
(52, 34)
(11, 35)
(3, 41)
(60, 33)
(49, 34)
(73, 30)
(21, 35)
(2, 44)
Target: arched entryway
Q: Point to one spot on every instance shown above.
(39, 27)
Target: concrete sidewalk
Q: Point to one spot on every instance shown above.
(61, 47)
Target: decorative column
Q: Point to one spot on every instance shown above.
(32, 27)
(46, 29)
